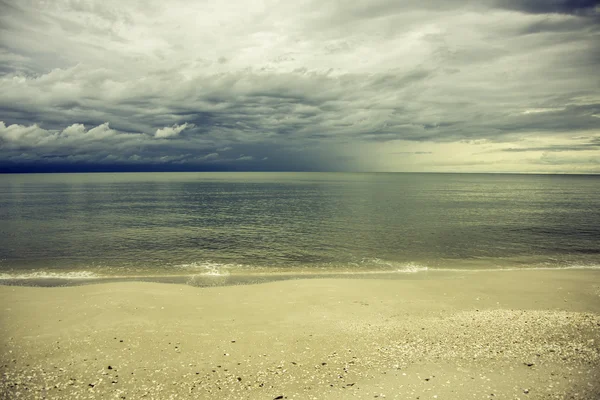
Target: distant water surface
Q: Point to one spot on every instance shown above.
(216, 224)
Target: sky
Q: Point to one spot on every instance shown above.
(308, 85)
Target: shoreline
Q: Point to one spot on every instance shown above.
(55, 279)
(514, 334)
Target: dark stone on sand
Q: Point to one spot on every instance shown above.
(109, 367)
(278, 397)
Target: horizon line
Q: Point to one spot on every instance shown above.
(301, 171)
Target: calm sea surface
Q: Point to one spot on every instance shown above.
(227, 224)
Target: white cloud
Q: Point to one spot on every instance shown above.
(541, 110)
(74, 130)
(171, 131)
(211, 156)
(16, 133)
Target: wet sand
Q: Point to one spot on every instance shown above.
(481, 335)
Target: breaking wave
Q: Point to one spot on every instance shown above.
(213, 270)
(525, 268)
(48, 275)
(392, 266)
(208, 268)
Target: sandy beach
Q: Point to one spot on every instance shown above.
(477, 335)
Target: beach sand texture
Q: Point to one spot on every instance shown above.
(476, 335)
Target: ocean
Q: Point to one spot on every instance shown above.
(227, 228)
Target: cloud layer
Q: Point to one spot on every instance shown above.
(496, 85)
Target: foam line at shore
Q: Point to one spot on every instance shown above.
(210, 278)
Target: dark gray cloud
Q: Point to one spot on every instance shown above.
(581, 7)
(333, 86)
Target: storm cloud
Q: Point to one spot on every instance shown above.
(496, 85)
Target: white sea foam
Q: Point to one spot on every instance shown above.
(393, 266)
(412, 268)
(370, 266)
(48, 275)
(574, 266)
(384, 266)
(525, 268)
(208, 268)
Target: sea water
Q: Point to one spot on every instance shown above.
(65, 228)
